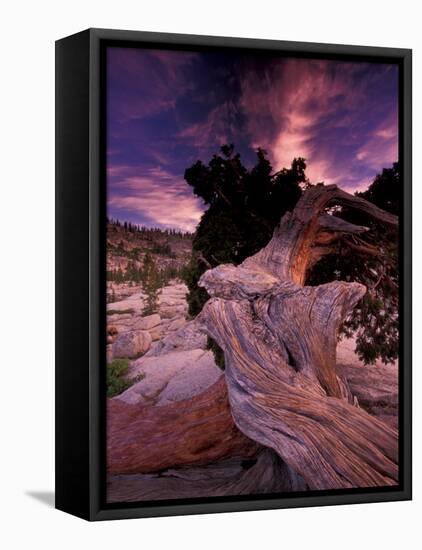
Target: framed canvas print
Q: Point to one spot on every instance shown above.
(233, 274)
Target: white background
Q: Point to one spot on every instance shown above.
(27, 36)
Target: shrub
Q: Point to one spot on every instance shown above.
(116, 377)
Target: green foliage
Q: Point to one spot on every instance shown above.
(151, 283)
(244, 206)
(116, 373)
(163, 250)
(116, 379)
(116, 275)
(171, 272)
(385, 190)
(133, 273)
(116, 226)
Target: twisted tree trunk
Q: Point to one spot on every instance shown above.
(279, 339)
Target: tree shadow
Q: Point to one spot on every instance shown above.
(45, 497)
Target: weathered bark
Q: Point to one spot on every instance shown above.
(279, 340)
(306, 234)
(200, 430)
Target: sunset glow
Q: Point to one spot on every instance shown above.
(167, 109)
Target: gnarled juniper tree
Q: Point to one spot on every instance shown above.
(244, 207)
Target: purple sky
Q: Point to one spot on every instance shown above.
(167, 109)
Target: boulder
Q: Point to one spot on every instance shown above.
(156, 333)
(191, 336)
(149, 322)
(375, 386)
(131, 344)
(346, 354)
(169, 312)
(176, 324)
(176, 376)
(125, 306)
(376, 389)
(119, 317)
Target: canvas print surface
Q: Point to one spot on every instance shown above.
(252, 274)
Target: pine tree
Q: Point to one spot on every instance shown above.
(151, 284)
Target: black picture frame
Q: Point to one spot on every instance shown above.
(80, 276)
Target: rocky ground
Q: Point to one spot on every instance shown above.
(165, 350)
(126, 322)
(170, 353)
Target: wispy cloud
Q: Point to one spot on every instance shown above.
(319, 110)
(381, 146)
(166, 109)
(152, 196)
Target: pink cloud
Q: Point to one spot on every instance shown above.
(381, 147)
(155, 194)
(310, 100)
